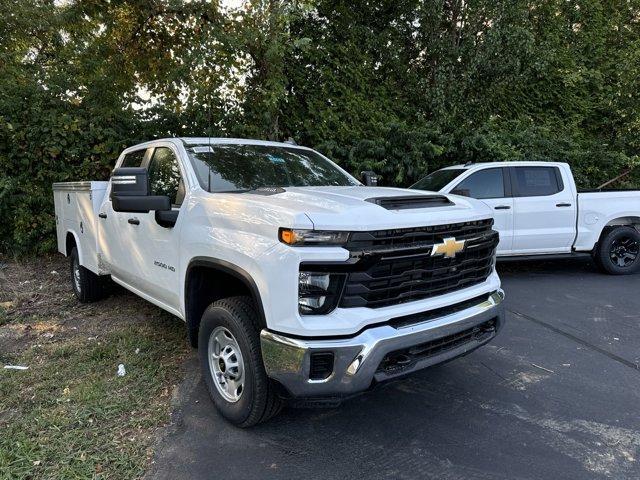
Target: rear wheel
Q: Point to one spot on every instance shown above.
(87, 286)
(618, 251)
(231, 363)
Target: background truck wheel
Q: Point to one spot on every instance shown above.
(618, 251)
(87, 286)
(231, 363)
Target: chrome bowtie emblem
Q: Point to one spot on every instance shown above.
(449, 247)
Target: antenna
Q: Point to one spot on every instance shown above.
(209, 140)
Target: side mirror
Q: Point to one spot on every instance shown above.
(463, 192)
(130, 192)
(369, 178)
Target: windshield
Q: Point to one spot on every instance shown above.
(438, 179)
(240, 168)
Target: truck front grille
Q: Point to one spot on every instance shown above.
(396, 266)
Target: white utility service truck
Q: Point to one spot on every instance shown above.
(539, 211)
(295, 280)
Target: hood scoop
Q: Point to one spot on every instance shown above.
(411, 201)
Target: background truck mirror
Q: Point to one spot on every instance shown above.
(463, 192)
(140, 203)
(369, 178)
(131, 181)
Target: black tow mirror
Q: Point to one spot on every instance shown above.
(130, 181)
(369, 178)
(130, 192)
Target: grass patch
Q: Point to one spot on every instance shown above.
(69, 415)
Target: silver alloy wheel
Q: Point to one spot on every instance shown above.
(225, 364)
(76, 274)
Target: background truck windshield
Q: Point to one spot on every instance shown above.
(238, 167)
(438, 179)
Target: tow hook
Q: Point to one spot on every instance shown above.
(396, 362)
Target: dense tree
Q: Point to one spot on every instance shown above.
(398, 86)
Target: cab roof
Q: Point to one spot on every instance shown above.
(518, 163)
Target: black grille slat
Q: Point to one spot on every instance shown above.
(386, 275)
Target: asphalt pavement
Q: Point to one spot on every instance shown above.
(555, 396)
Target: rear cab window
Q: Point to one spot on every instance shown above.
(536, 181)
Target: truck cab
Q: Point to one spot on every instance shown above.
(538, 210)
(295, 280)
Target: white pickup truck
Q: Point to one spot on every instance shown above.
(294, 279)
(539, 211)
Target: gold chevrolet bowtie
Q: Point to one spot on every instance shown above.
(449, 247)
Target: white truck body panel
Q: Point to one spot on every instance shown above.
(76, 206)
(567, 221)
(599, 209)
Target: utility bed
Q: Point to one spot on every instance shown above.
(76, 206)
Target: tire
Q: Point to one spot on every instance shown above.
(229, 345)
(618, 252)
(87, 286)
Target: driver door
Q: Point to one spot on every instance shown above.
(155, 245)
(141, 249)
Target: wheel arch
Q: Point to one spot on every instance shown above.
(628, 220)
(71, 240)
(621, 221)
(210, 279)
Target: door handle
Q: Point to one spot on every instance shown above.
(502, 207)
(563, 204)
(102, 215)
(134, 221)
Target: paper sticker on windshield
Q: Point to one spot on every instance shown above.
(274, 159)
(204, 149)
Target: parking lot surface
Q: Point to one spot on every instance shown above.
(555, 396)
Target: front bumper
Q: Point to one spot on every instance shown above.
(360, 360)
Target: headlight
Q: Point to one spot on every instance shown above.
(319, 292)
(298, 237)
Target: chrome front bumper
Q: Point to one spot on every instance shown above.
(357, 359)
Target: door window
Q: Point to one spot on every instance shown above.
(484, 184)
(537, 181)
(164, 176)
(133, 159)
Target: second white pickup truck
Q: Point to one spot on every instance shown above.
(295, 280)
(539, 211)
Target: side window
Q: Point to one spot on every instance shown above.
(537, 181)
(133, 159)
(487, 183)
(164, 176)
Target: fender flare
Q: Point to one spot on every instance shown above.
(77, 241)
(230, 269)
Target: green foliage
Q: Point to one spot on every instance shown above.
(401, 87)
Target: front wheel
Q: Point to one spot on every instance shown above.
(231, 363)
(618, 251)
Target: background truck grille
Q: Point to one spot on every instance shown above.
(396, 266)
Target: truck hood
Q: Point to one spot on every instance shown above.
(351, 208)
